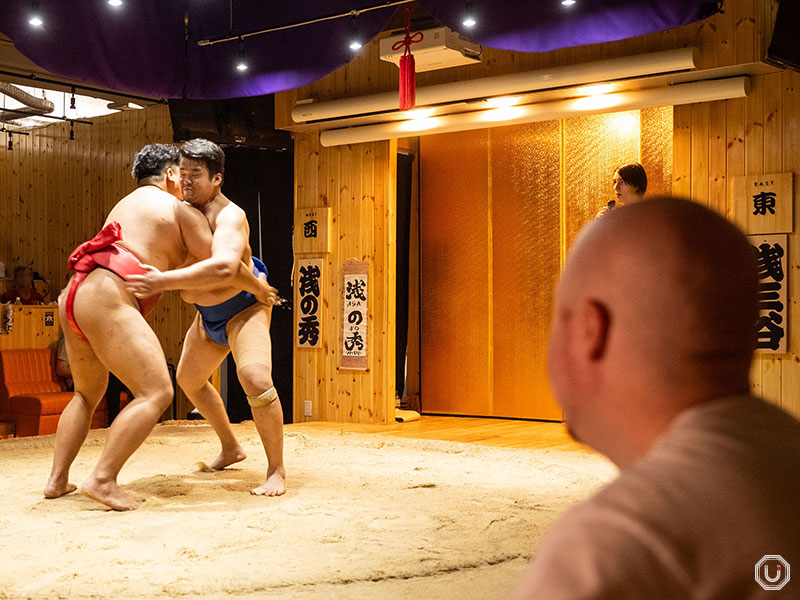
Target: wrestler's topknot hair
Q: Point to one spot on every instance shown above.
(206, 152)
(153, 160)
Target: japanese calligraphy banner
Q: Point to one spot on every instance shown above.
(763, 203)
(309, 298)
(773, 302)
(355, 288)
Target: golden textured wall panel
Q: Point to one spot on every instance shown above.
(491, 245)
(526, 261)
(593, 147)
(656, 149)
(454, 309)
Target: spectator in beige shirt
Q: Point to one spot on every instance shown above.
(650, 348)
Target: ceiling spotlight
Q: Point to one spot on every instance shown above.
(241, 62)
(72, 100)
(36, 15)
(10, 142)
(355, 36)
(470, 20)
(115, 3)
(72, 130)
(568, 2)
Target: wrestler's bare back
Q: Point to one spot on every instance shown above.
(219, 209)
(159, 229)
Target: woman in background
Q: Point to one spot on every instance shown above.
(630, 185)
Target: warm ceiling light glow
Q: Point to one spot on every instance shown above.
(419, 124)
(503, 101)
(626, 125)
(418, 113)
(597, 102)
(503, 114)
(355, 45)
(115, 2)
(596, 90)
(568, 2)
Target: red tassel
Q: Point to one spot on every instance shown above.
(408, 82)
(408, 75)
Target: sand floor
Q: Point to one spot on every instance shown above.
(365, 516)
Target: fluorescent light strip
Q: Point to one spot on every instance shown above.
(685, 93)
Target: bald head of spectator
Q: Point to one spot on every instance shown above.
(654, 313)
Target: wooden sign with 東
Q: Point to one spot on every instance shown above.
(762, 204)
(312, 231)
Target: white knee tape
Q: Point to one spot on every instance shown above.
(264, 399)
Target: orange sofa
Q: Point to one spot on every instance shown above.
(32, 395)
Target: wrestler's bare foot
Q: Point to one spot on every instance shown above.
(108, 493)
(275, 485)
(228, 457)
(56, 488)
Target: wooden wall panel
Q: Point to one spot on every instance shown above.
(30, 329)
(55, 193)
(759, 134)
(358, 183)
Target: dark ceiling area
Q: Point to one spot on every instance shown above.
(175, 49)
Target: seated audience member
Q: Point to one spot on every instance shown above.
(650, 349)
(23, 287)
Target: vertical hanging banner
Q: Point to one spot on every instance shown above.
(773, 302)
(309, 296)
(355, 294)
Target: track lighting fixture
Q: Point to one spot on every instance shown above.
(72, 100)
(355, 36)
(10, 142)
(241, 61)
(470, 19)
(35, 18)
(72, 130)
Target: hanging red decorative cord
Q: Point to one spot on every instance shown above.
(408, 76)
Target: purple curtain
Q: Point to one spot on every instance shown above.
(143, 48)
(140, 47)
(545, 25)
